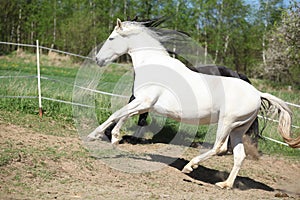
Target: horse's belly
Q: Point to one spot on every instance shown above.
(186, 112)
(192, 118)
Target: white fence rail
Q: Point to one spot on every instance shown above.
(39, 77)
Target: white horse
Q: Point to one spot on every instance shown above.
(166, 86)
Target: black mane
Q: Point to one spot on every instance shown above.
(150, 23)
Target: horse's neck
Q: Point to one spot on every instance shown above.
(143, 55)
(144, 48)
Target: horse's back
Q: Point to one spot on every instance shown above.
(240, 96)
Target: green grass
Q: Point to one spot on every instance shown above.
(24, 65)
(64, 71)
(269, 147)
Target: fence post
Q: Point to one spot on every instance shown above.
(39, 78)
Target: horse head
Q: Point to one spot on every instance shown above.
(115, 46)
(127, 36)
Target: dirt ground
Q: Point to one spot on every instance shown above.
(41, 166)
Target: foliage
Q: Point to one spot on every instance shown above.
(232, 32)
(283, 54)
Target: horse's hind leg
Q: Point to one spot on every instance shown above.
(222, 133)
(236, 138)
(224, 148)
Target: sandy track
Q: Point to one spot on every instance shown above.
(41, 166)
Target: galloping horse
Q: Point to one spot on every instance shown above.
(252, 132)
(166, 86)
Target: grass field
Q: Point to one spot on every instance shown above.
(58, 78)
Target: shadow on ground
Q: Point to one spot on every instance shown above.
(212, 176)
(202, 173)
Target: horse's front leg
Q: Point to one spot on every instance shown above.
(96, 134)
(135, 107)
(115, 133)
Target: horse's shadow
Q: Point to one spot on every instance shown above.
(203, 174)
(212, 176)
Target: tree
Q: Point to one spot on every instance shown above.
(232, 32)
(223, 27)
(268, 14)
(283, 53)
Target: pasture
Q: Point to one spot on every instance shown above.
(44, 158)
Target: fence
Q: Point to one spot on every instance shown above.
(39, 77)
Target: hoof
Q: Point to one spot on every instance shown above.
(88, 139)
(187, 170)
(195, 166)
(115, 140)
(115, 145)
(223, 185)
(91, 137)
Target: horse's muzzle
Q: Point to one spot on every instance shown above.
(100, 62)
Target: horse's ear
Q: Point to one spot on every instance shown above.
(119, 23)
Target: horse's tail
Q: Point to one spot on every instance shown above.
(285, 119)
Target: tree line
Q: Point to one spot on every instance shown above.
(235, 33)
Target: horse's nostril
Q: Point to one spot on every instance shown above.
(99, 62)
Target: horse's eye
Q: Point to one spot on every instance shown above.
(111, 38)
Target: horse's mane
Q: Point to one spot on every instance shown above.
(176, 43)
(150, 23)
(163, 35)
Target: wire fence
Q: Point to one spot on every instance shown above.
(39, 77)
